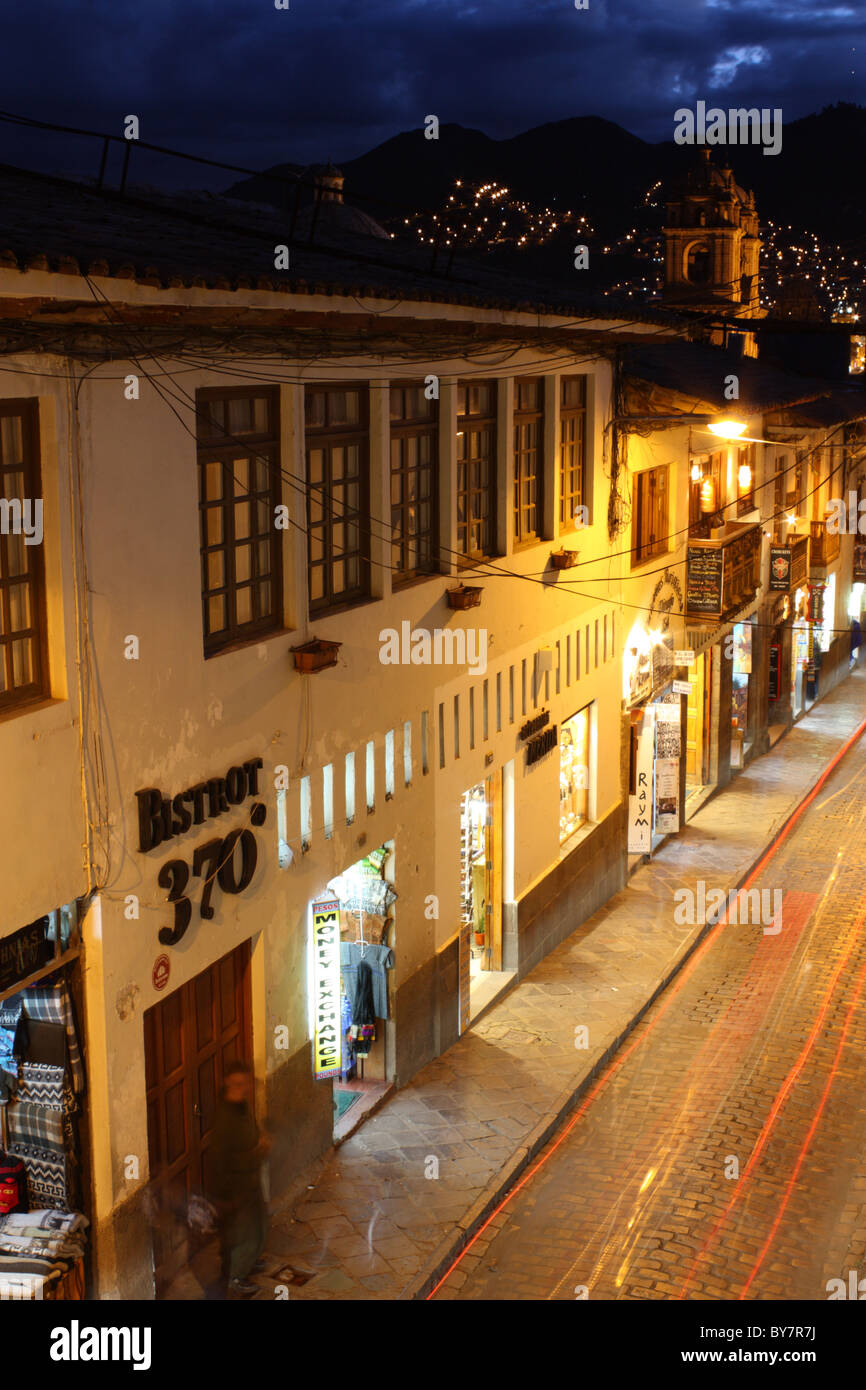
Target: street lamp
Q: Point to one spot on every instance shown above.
(727, 429)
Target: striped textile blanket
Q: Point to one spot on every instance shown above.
(35, 1127)
(44, 1084)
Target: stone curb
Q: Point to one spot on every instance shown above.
(469, 1225)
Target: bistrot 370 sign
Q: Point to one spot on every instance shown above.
(227, 862)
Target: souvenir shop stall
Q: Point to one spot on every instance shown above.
(42, 1227)
(366, 898)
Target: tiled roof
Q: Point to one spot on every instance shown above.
(700, 372)
(53, 224)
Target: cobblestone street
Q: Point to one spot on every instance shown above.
(722, 1153)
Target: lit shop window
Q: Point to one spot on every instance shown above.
(858, 353)
(573, 773)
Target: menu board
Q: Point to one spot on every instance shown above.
(775, 655)
(704, 579)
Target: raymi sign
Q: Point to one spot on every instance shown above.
(640, 807)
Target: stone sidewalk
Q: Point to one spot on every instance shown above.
(370, 1223)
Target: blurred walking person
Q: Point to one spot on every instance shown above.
(236, 1154)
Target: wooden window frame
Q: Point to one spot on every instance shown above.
(570, 498)
(643, 550)
(255, 446)
(701, 522)
(14, 697)
(469, 423)
(525, 535)
(327, 437)
(404, 427)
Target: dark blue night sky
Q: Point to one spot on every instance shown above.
(245, 82)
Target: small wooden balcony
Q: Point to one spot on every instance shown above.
(824, 549)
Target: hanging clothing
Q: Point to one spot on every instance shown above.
(363, 1036)
(53, 1004)
(362, 892)
(379, 959)
(363, 1010)
(347, 1061)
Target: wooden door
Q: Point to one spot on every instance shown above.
(189, 1039)
(695, 723)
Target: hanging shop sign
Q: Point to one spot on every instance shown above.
(541, 744)
(227, 863)
(666, 773)
(742, 649)
(816, 603)
(640, 802)
(685, 657)
(327, 1042)
(780, 567)
(681, 688)
(667, 786)
(24, 952)
(775, 661)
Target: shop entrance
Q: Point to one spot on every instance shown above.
(366, 895)
(189, 1039)
(697, 724)
(481, 973)
(741, 740)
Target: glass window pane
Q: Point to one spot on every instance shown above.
(261, 413)
(243, 520)
(314, 407)
(16, 554)
(22, 661)
(241, 470)
(263, 518)
(243, 561)
(244, 605)
(263, 467)
(216, 569)
(214, 525)
(11, 439)
(240, 415)
(213, 481)
(12, 484)
(265, 608)
(216, 613)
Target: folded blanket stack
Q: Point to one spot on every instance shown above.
(37, 1248)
